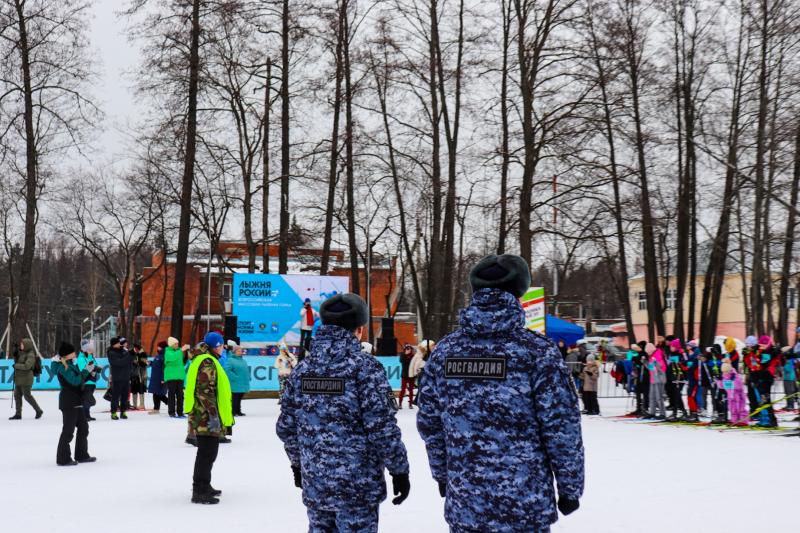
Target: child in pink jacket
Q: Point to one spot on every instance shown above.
(731, 382)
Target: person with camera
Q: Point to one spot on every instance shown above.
(70, 402)
(87, 394)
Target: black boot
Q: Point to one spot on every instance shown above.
(673, 417)
(214, 492)
(16, 417)
(204, 498)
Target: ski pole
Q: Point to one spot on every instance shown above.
(766, 406)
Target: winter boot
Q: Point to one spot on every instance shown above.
(114, 416)
(123, 415)
(16, 417)
(39, 414)
(692, 418)
(214, 492)
(204, 498)
(673, 418)
(720, 420)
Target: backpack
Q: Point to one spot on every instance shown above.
(37, 367)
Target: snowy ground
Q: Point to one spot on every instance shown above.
(639, 478)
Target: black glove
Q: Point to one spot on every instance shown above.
(298, 477)
(567, 506)
(442, 489)
(400, 486)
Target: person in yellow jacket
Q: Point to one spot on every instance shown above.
(208, 403)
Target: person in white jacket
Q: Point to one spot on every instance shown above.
(424, 350)
(285, 363)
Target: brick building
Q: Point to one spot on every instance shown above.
(205, 307)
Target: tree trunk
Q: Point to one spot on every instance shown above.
(756, 297)
(182, 254)
(349, 170)
(504, 153)
(715, 271)
(788, 247)
(265, 171)
(283, 251)
(334, 152)
(622, 284)
(435, 256)
(654, 309)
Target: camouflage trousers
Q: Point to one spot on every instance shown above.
(363, 520)
(461, 530)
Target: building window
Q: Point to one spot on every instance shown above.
(642, 301)
(226, 292)
(671, 298)
(791, 299)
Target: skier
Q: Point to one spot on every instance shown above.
(675, 380)
(657, 369)
(338, 425)
(208, 404)
(69, 402)
(87, 393)
(120, 364)
(731, 382)
(498, 412)
(763, 378)
(24, 366)
(789, 377)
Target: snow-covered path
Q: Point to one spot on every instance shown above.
(640, 478)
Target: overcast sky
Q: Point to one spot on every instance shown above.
(117, 58)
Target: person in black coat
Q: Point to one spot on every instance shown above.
(120, 363)
(70, 402)
(156, 387)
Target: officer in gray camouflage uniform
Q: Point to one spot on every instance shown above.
(339, 428)
(499, 415)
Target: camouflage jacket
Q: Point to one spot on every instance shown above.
(499, 417)
(338, 424)
(204, 419)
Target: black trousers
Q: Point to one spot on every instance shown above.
(752, 399)
(305, 339)
(237, 402)
(175, 397)
(207, 448)
(87, 396)
(73, 418)
(119, 395)
(590, 402)
(158, 399)
(675, 398)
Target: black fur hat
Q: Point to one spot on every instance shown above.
(506, 272)
(348, 311)
(65, 349)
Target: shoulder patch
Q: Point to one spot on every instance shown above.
(475, 368)
(320, 385)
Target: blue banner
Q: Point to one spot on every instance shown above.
(263, 374)
(268, 306)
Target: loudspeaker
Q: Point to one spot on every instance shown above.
(231, 327)
(387, 346)
(387, 327)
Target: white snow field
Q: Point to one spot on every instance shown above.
(639, 478)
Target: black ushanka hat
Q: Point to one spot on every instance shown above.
(506, 272)
(348, 311)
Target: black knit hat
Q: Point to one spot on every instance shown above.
(65, 349)
(114, 340)
(506, 272)
(348, 311)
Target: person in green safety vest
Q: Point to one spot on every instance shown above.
(208, 403)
